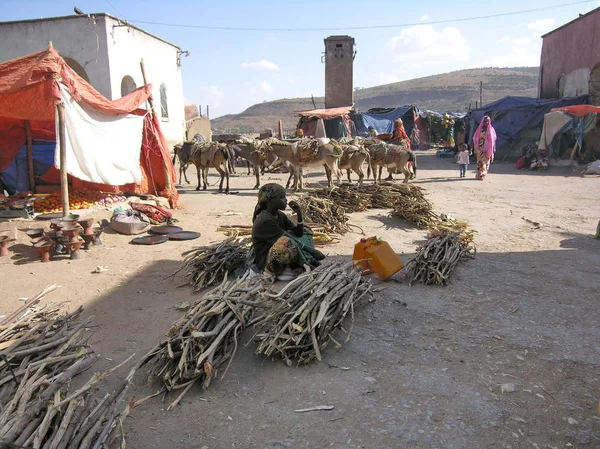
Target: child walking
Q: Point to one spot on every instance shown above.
(463, 159)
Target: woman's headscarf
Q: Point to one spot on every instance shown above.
(265, 193)
(489, 144)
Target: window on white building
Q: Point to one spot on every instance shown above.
(164, 110)
(127, 85)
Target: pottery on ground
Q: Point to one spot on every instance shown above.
(44, 247)
(4, 241)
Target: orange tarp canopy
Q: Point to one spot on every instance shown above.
(327, 114)
(29, 90)
(578, 110)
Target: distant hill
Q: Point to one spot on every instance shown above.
(448, 92)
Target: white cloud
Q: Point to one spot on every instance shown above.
(520, 51)
(271, 37)
(421, 45)
(211, 95)
(263, 64)
(291, 81)
(424, 17)
(266, 87)
(263, 88)
(541, 25)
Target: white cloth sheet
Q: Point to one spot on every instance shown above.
(99, 147)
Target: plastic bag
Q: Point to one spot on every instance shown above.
(129, 222)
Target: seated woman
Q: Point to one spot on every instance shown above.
(280, 246)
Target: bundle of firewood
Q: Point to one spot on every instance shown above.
(203, 340)
(324, 212)
(205, 266)
(437, 258)
(40, 353)
(310, 310)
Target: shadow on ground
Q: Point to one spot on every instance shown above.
(424, 365)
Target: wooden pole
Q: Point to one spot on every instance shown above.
(207, 113)
(168, 181)
(30, 156)
(481, 93)
(572, 156)
(280, 130)
(64, 181)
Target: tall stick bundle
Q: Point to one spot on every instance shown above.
(324, 212)
(40, 353)
(198, 344)
(438, 256)
(312, 307)
(209, 265)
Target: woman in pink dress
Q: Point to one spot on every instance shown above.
(484, 141)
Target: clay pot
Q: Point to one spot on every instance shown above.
(88, 240)
(57, 237)
(57, 224)
(97, 233)
(74, 249)
(4, 241)
(44, 248)
(71, 232)
(87, 224)
(35, 233)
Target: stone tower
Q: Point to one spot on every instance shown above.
(339, 58)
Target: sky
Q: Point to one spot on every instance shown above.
(231, 69)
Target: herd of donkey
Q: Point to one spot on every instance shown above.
(348, 153)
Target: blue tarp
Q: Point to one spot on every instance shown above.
(16, 178)
(383, 120)
(512, 115)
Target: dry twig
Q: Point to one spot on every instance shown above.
(312, 307)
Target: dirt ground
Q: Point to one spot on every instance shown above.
(425, 367)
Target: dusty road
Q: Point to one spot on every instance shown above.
(425, 367)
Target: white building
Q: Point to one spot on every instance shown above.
(106, 51)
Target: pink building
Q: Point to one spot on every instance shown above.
(570, 62)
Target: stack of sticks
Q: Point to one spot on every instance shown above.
(437, 258)
(203, 340)
(324, 212)
(209, 265)
(407, 200)
(309, 310)
(41, 353)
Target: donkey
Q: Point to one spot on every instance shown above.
(206, 155)
(352, 160)
(252, 156)
(327, 155)
(395, 158)
(183, 153)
